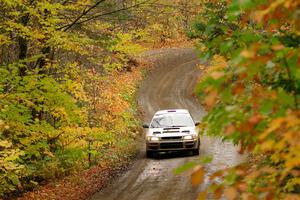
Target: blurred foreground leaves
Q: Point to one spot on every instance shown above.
(252, 93)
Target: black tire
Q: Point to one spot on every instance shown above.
(195, 152)
(149, 154)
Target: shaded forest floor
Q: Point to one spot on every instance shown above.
(83, 184)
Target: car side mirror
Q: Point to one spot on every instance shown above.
(145, 126)
(197, 123)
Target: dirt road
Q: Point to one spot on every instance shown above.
(170, 85)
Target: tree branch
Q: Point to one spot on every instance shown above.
(107, 13)
(85, 12)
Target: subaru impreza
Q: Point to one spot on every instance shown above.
(172, 130)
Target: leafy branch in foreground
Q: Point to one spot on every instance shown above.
(253, 101)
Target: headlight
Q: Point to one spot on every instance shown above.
(188, 137)
(153, 138)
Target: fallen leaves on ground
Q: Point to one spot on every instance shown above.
(81, 185)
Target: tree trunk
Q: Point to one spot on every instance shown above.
(23, 46)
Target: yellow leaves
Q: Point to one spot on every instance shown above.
(201, 66)
(292, 157)
(286, 129)
(211, 98)
(52, 8)
(253, 175)
(59, 113)
(11, 3)
(279, 10)
(48, 153)
(70, 42)
(242, 187)
(292, 183)
(4, 40)
(292, 162)
(231, 193)
(272, 133)
(259, 15)
(77, 90)
(267, 146)
(247, 53)
(22, 30)
(214, 69)
(281, 141)
(198, 175)
(5, 143)
(111, 98)
(216, 174)
(229, 129)
(125, 44)
(291, 121)
(267, 169)
(275, 124)
(292, 197)
(216, 75)
(218, 62)
(277, 47)
(3, 126)
(202, 195)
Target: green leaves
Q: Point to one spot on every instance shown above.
(255, 102)
(185, 167)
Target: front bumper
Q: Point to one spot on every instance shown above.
(172, 145)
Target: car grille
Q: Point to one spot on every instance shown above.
(171, 130)
(172, 138)
(171, 145)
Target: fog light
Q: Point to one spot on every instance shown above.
(153, 138)
(188, 137)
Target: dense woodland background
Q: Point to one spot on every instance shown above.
(69, 74)
(68, 80)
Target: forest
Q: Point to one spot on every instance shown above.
(68, 78)
(69, 72)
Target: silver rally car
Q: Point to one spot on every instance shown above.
(172, 130)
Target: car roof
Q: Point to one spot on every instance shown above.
(171, 111)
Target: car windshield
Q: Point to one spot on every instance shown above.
(175, 120)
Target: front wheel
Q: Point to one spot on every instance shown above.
(196, 152)
(149, 154)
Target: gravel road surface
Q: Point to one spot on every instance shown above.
(169, 85)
